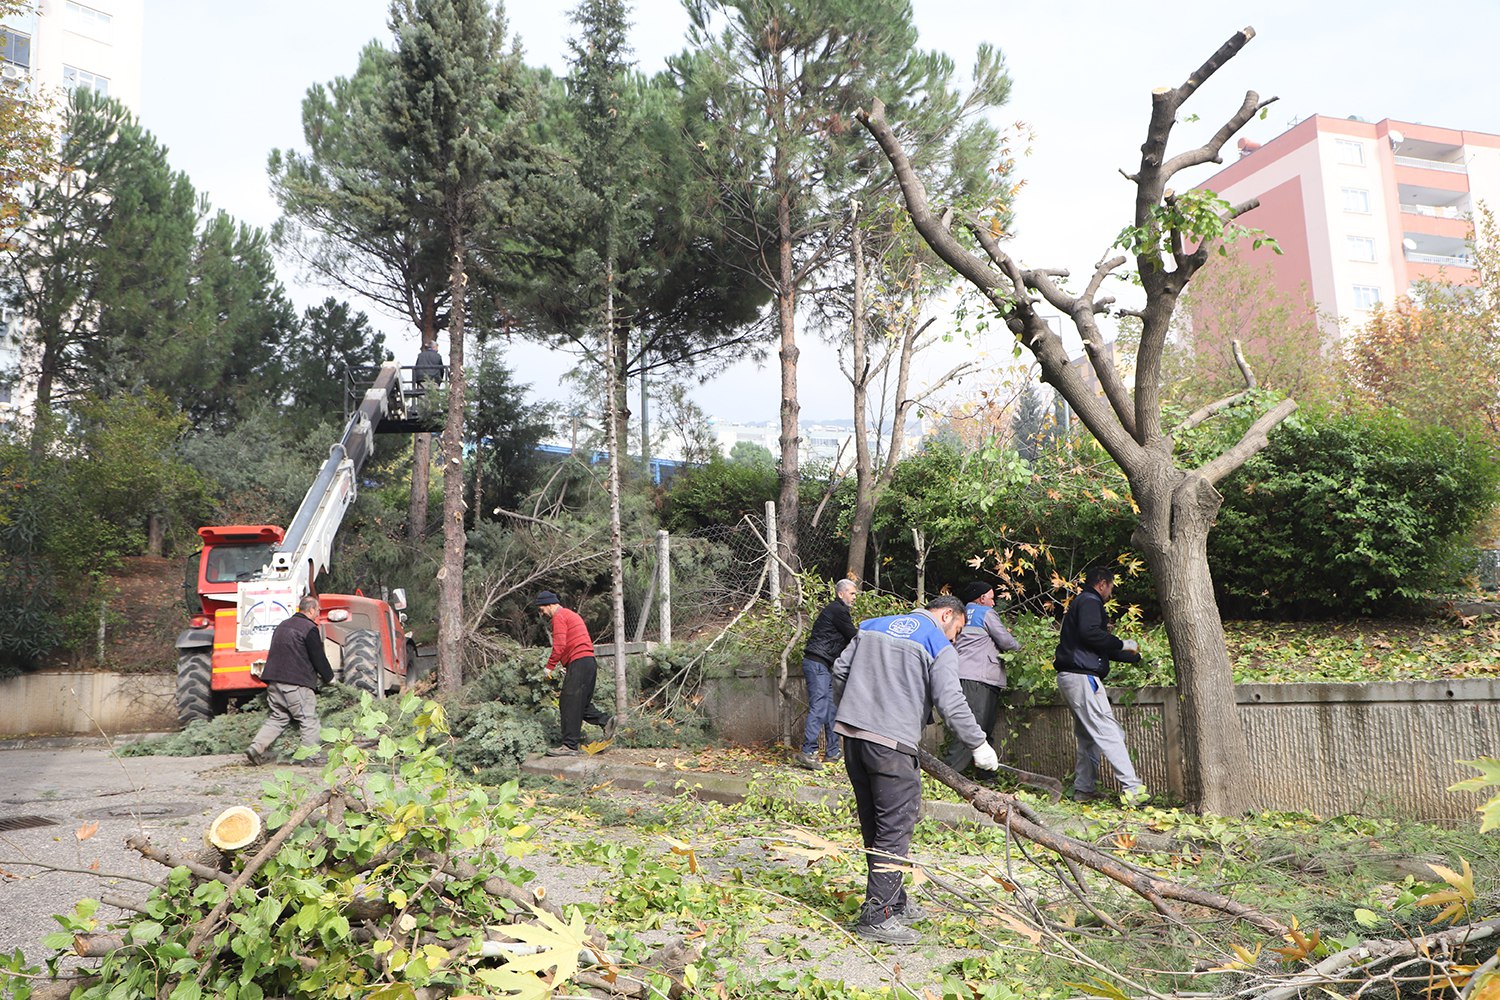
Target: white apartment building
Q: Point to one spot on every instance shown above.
(54, 47)
(1363, 210)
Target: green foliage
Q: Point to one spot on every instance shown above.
(411, 806)
(332, 341)
(721, 492)
(1351, 514)
(67, 517)
(1489, 777)
(1194, 217)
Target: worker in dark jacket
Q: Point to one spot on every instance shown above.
(831, 632)
(1084, 651)
(983, 638)
(887, 683)
(295, 667)
(429, 366)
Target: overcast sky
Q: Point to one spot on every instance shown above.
(224, 84)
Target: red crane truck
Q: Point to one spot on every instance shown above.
(248, 577)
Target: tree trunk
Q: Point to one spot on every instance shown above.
(645, 423)
(421, 449)
(1217, 762)
(619, 388)
(616, 429)
(786, 312)
(451, 575)
(864, 469)
(421, 484)
(41, 410)
(478, 507)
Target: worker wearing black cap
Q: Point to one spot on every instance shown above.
(980, 673)
(574, 651)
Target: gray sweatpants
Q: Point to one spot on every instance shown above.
(289, 703)
(1097, 731)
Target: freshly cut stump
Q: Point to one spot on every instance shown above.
(235, 829)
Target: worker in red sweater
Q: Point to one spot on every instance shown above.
(574, 651)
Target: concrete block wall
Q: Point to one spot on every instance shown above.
(80, 703)
(1383, 749)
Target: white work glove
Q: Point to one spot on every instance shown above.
(550, 674)
(985, 758)
(1131, 646)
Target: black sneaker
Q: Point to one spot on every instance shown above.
(808, 761)
(255, 757)
(610, 725)
(892, 931)
(562, 751)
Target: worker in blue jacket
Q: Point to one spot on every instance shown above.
(887, 682)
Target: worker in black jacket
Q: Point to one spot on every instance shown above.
(831, 632)
(295, 667)
(1084, 651)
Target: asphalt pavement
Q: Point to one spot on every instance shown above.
(51, 798)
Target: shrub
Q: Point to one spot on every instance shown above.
(1350, 514)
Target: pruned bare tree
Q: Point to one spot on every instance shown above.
(1172, 236)
(884, 361)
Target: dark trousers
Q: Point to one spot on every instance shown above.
(576, 703)
(820, 710)
(984, 702)
(888, 797)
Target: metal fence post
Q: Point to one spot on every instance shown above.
(774, 568)
(664, 582)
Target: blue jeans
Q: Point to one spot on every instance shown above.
(820, 711)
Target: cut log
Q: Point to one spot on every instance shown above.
(235, 829)
(97, 945)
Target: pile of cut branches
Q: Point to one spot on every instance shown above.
(390, 879)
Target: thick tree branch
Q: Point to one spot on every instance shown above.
(1002, 809)
(1254, 440)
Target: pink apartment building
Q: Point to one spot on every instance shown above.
(1362, 210)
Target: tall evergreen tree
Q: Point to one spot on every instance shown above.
(772, 87)
(126, 287)
(464, 106)
(333, 339)
(353, 215)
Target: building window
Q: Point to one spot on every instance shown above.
(15, 48)
(1366, 297)
(73, 78)
(1350, 152)
(1361, 248)
(88, 21)
(1357, 200)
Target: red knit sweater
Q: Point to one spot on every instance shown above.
(570, 638)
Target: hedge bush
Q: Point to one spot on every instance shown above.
(1351, 514)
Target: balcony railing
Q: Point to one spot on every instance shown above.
(1444, 165)
(1441, 260)
(1435, 211)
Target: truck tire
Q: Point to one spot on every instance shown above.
(362, 666)
(195, 696)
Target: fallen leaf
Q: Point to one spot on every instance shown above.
(87, 830)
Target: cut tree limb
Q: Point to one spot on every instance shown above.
(142, 844)
(1003, 809)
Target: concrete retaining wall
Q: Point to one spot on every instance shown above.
(1374, 749)
(69, 702)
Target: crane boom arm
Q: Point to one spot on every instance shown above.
(308, 546)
